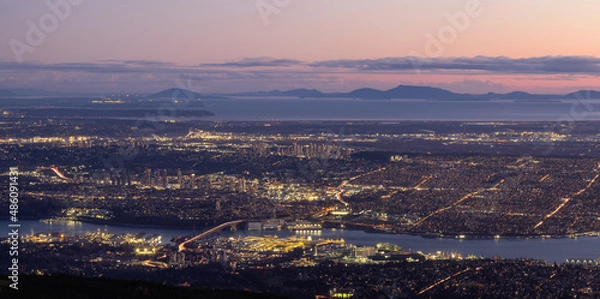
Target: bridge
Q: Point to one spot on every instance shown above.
(208, 232)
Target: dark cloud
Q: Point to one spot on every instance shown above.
(140, 63)
(140, 66)
(287, 72)
(535, 65)
(112, 67)
(257, 62)
(568, 65)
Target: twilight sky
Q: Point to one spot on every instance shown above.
(110, 46)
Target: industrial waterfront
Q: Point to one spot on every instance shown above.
(549, 250)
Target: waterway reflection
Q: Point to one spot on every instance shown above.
(550, 250)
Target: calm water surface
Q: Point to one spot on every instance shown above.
(551, 250)
(349, 109)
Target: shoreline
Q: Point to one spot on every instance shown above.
(466, 236)
(367, 230)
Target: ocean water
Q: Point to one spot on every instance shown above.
(261, 109)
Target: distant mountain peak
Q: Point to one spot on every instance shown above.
(585, 94)
(518, 92)
(404, 91)
(175, 93)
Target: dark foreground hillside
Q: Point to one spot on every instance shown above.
(65, 287)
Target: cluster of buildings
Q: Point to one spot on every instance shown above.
(480, 196)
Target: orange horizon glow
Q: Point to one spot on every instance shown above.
(191, 33)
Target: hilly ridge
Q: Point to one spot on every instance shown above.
(420, 92)
(398, 92)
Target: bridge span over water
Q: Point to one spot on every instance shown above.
(210, 231)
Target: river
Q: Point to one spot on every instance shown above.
(550, 250)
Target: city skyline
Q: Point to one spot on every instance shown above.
(300, 149)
